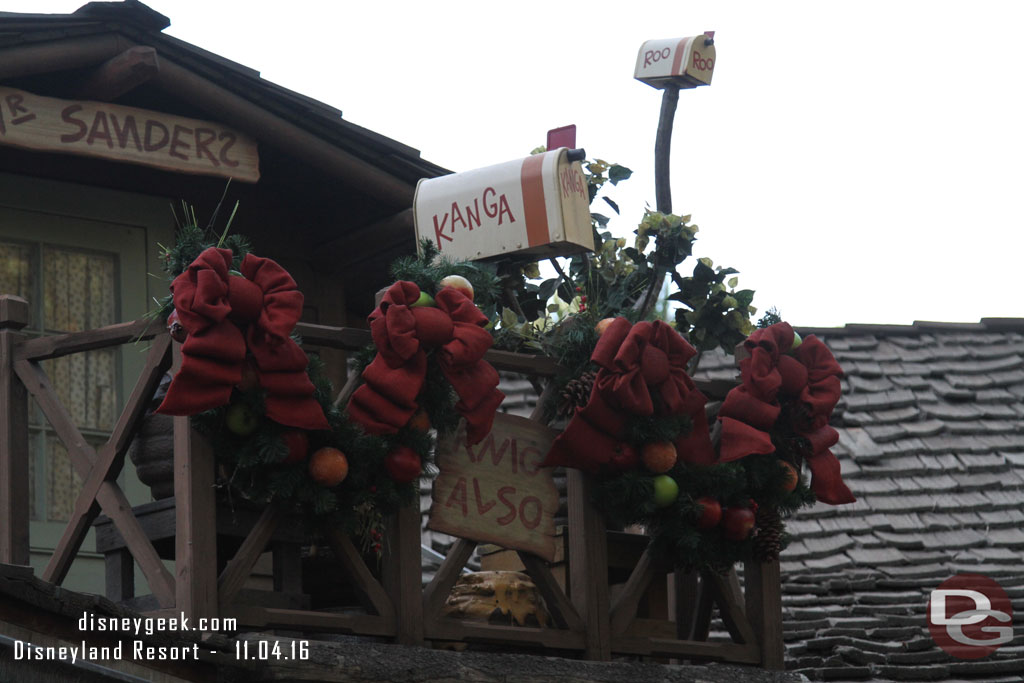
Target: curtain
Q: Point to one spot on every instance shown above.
(78, 292)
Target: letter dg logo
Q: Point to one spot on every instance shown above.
(970, 616)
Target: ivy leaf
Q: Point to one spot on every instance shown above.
(615, 207)
(617, 172)
(601, 219)
(702, 272)
(547, 289)
(733, 281)
(509, 318)
(744, 297)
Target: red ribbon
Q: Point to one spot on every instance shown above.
(643, 373)
(403, 334)
(809, 380)
(226, 316)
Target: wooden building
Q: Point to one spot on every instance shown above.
(105, 122)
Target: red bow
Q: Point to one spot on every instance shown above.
(226, 316)
(643, 373)
(810, 381)
(403, 333)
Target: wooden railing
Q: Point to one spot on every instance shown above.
(586, 620)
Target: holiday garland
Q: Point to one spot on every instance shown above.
(268, 409)
(704, 505)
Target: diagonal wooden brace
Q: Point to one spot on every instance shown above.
(101, 489)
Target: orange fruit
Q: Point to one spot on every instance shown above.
(659, 456)
(603, 325)
(792, 476)
(420, 421)
(328, 466)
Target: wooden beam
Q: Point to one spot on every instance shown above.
(559, 606)
(309, 620)
(57, 345)
(686, 599)
(403, 573)
(224, 105)
(345, 338)
(726, 593)
(59, 55)
(14, 455)
(764, 607)
(624, 608)
(455, 629)
(118, 75)
(369, 589)
(667, 647)
(588, 566)
(440, 587)
(195, 548)
(339, 252)
(109, 461)
(240, 566)
(110, 497)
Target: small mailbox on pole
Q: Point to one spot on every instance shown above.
(538, 206)
(685, 62)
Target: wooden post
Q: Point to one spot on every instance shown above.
(403, 573)
(588, 567)
(686, 600)
(195, 543)
(119, 570)
(764, 610)
(14, 455)
(195, 546)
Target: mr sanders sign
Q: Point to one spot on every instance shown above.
(128, 134)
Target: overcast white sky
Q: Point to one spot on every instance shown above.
(856, 161)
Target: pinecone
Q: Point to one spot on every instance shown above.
(576, 393)
(768, 537)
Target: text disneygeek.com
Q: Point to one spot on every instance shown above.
(115, 629)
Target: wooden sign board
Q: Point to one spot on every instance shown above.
(496, 491)
(539, 206)
(687, 62)
(128, 134)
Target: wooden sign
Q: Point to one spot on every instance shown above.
(496, 491)
(686, 62)
(537, 206)
(128, 134)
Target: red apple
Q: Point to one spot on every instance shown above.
(458, 282)
(298, 446)
(403, 464)
(710, 512)
(737, 523)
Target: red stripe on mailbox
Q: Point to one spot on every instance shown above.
(677, 61)
(533, 200)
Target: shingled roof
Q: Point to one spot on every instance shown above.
(932, 444)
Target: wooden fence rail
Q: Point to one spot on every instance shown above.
(586, 619)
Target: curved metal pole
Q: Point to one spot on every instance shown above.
(663, 149)
(662, 189)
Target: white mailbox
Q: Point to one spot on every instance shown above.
(687, 62)
(538, 206)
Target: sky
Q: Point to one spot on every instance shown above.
(857, 162)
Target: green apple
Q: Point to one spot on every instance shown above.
(666, 490)
(424, 300)
(241, 420)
